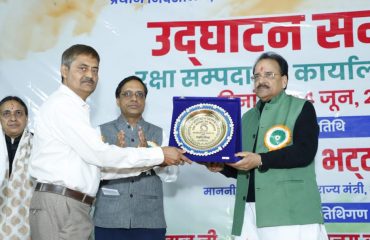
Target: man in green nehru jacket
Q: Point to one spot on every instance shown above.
(277, 196)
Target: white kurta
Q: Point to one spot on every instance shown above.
(294, 232)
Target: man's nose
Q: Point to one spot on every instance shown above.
(134, 97)
(262, 79)
(89, 73)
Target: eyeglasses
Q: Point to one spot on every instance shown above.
(266, 75)
(130, 94)
(7, 114)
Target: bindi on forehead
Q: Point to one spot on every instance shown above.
(261, 68)
(11, 106)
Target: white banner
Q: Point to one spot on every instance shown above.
(208, 48)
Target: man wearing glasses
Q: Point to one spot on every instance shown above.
(132, 208)
(277, 195)
(15, 183)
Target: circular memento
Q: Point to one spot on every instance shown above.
(203, 129)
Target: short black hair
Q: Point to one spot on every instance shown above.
(128, 79)
(70, 54)
(283, 64)
(17, 99)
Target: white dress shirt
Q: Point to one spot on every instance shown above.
(68, 151)
(167, 174)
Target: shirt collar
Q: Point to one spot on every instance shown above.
(12, 141)
(122, 120)
(271, 101)
(66, 90)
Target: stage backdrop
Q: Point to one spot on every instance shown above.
(207, 48)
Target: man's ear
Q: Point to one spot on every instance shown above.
(117, 102)
(285, 81)
(64, 71)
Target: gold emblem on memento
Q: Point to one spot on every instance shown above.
(203, 129)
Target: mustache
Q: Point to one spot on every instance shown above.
(87, 80)
(262, 86)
